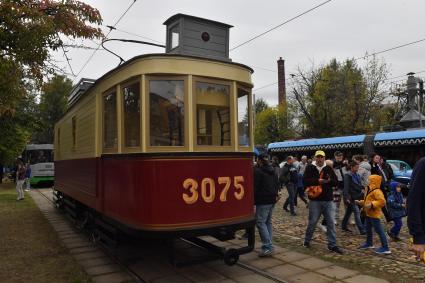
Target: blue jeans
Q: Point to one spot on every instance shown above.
(376, 224)
(352, 208)
(315, 209)
(291, 197)
(263, 215)
(398, 223)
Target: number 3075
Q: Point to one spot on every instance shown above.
(209, 190)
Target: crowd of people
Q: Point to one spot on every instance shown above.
(363, 184)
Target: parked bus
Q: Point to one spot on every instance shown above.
(40, 158)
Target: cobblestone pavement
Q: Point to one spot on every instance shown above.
(149, 261)
(400, 266)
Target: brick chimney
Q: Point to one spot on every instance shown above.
(281, 80)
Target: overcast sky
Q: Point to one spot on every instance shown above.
(339, 29)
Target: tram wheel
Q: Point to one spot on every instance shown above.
(231, 257)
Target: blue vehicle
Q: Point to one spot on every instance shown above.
(402, 173)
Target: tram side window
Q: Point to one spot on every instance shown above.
(213, 114)
(131, 100)
(243, 117)
(74, 132)
(110, 120)
(166, 99)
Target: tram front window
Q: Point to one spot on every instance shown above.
(243, 117)
(166, 112)
(213, 114)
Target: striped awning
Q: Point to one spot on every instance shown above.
(411, 137)
(315, 144)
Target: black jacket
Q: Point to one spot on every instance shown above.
(375, 170)
(311, 178)
(266, 185)
(338, 165)
(293, 174)
(416, 203)
(352, 190)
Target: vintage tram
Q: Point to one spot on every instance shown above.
(162, 145)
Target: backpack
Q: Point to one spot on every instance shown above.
(284, 176)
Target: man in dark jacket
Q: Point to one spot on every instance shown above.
(353, 191)
(266, 188)
(315, 174)
(416, 209)
(377, 168)
(289, 179)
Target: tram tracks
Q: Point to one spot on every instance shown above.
(134, 275)
(137, 277)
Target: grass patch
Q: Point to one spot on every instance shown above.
(30, 250)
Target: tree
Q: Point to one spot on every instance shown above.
(340, 98)
(16, 129)
(29, 30)
(260, 105)
(53, 104)
(272, 125)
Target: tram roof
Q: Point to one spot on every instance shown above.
(130, 61)
(323, 143)
(177, 16)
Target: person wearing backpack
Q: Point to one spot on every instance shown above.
(289, 178)
(319, 180)
(353, 190)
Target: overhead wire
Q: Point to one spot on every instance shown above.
(110, 30)
(137, 35)
(67, 60)
(278, 26)
(391, 49)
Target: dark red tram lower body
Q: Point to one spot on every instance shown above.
(180, 194)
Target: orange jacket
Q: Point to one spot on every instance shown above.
(374, 196)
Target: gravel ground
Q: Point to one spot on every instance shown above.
(400, 266)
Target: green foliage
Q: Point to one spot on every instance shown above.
(340, 99)
(29, 30)
(53, 104)
(272, 124)
(16, 130)
(260, 105)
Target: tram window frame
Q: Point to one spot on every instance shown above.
(113, 149)
(250, 120)
(74, 132)
(166, 148)
(231, 146)
(128, 83)
(172, 39)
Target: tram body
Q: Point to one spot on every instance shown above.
(162, 145)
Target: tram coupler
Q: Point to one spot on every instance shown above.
(231, 255)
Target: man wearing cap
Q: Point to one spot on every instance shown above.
(316, 174)
(266, 188)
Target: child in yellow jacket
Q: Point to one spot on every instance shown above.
(372, 204)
